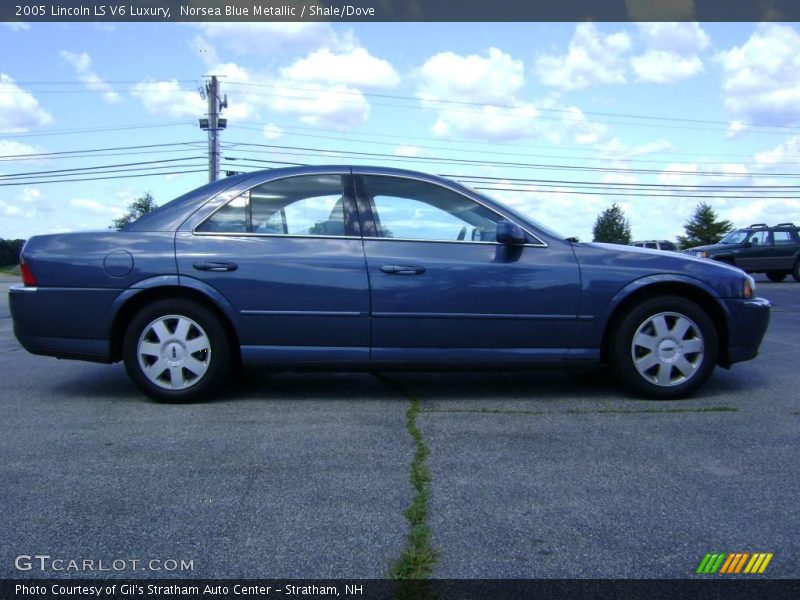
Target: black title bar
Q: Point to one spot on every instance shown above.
(399, 10)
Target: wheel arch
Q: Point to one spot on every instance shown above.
(131, 303)
(684, 289)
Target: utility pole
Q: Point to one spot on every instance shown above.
(213, 124)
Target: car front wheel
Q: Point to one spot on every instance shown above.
(176, 351)
(664, 348)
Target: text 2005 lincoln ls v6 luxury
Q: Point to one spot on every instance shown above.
(352, 268)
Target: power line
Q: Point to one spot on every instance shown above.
(275, 148)
(53, 132)
(504, 106)
(98, 167)
(99, 178)
(94, 150)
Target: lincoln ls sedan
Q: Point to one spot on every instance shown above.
(351, 268)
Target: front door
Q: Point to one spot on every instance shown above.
(442, 288)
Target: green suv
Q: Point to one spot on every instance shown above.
(774, 251)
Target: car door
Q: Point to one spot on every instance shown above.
(442, 288)
(784, 248)
(757, 253)
(287, 255)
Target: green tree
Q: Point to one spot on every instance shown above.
(136, 209)
(704, 227)
(612, 227)
(9, 252)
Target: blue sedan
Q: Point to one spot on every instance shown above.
(372, 268)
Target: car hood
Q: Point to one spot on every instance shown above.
(714, 247)
(667, 260)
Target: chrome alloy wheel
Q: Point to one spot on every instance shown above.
(667, 349)
(174, 352)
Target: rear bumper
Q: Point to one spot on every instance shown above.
(747, 324)
(64, 323)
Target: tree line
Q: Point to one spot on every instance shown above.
(704, 227)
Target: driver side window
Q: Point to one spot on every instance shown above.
(416, 210)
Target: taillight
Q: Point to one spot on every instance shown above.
(27, 275)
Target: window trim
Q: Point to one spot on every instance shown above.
(363, 206)
(348, 198)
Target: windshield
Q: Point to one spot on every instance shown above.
(734, 237)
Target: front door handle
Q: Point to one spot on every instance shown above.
(215, 266)
(402, 270)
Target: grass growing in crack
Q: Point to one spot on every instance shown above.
(419, 556)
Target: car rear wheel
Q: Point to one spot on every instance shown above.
(664, 348)
(796, 271)
(176, 351)
(776, 276)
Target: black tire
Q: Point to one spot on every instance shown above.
(776, 276)
(177, 377)
(796, 271)
(669, 354)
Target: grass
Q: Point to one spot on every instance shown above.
(582, 411)
(9, 270)
(419, 556)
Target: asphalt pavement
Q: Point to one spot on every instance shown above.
(537, 474)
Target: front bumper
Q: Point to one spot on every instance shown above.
(747, 324)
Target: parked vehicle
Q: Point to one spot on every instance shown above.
(656, 245)
(759, 248)
(372, 268)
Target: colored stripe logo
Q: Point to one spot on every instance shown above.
(733, 563)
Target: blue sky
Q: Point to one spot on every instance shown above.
(628, 113)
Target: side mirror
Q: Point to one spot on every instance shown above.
(509, 233)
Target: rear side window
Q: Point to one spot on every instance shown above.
(782, 238)
(668, 246)
(304, 205)
(652, 245)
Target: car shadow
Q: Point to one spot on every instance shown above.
(251, 384)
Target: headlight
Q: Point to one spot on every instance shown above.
(749, 287)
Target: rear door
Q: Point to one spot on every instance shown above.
(442, 288)
(287, 254)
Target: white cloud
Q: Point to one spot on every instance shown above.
(272, 131)
(734, 129)
(493, 79)
(591, 59)
(19, 110)
(269, 39)
(407, 150)
(18, 26)
(82, 63)
(777, 157)
(167, 98)
(95, 207)
(355, 67)
(762, 76)
(681, 38)
(337, 107)
(659, 66)
(672, 52)
(17, 149)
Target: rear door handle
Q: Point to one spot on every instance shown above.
(402, 270)
(215, 266)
